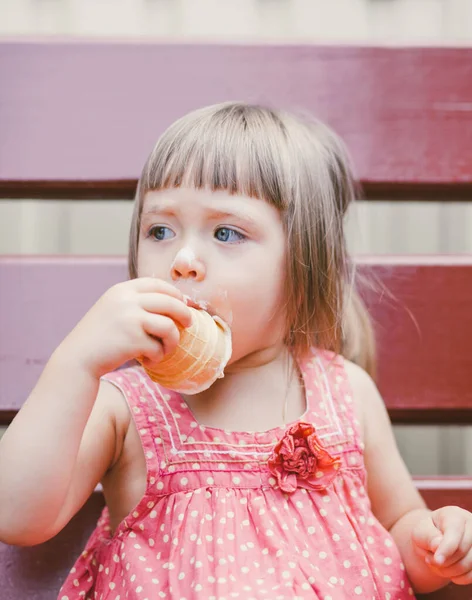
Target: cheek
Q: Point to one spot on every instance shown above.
(148, 264)
(257, 303)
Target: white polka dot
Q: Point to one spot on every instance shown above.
(181, 576)
(322, 555)
(346, 564)
(196, 466)
(336, 537)
(160, 485)
(236, 480)
(184, 481)
(311, 530)
(153, 514)
(358, 590)
(333, 580)
(210, 481)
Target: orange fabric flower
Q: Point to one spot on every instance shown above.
(300, 456)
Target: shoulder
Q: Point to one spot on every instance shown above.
(112, 402)
(368, 403)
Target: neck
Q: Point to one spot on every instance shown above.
(254, 393)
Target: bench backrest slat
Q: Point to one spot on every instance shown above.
(424, 363)
(98, 108)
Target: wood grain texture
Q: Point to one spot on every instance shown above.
(79, 118)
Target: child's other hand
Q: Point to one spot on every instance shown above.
(444, 540)
(133, 318)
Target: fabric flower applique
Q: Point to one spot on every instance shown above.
(299, 456)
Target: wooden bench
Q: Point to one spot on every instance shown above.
(77, 121)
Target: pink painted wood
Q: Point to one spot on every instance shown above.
(79, 118)
(421, 307)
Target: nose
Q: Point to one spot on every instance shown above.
(187, 266)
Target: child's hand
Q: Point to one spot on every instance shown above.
(133, 318)
(444, 540)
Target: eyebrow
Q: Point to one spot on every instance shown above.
(213, 214)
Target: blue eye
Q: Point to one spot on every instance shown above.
(160, 233)
(225, 234)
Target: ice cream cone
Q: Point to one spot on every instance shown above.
(199, 359)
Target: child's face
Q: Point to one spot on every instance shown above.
(228, 251)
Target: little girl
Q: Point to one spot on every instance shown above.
(280, 481)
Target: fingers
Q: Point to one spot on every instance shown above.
(152, 284)
(169, 306)
(457, 567)
(426, 536)
(165, 334)
(451, 521)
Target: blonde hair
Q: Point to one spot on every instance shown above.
(297, 165)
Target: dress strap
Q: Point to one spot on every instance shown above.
(138, 399)
(330, 401)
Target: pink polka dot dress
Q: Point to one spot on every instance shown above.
(273, 515)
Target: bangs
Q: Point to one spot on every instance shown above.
(239, 149)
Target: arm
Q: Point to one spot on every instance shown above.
(67, 435)
(395, 500)
(70, 430)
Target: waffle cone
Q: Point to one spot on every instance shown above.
(199, 359)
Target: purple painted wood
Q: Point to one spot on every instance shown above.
(424, 358)
(80, 117)
(41, 300)
(421, 311)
